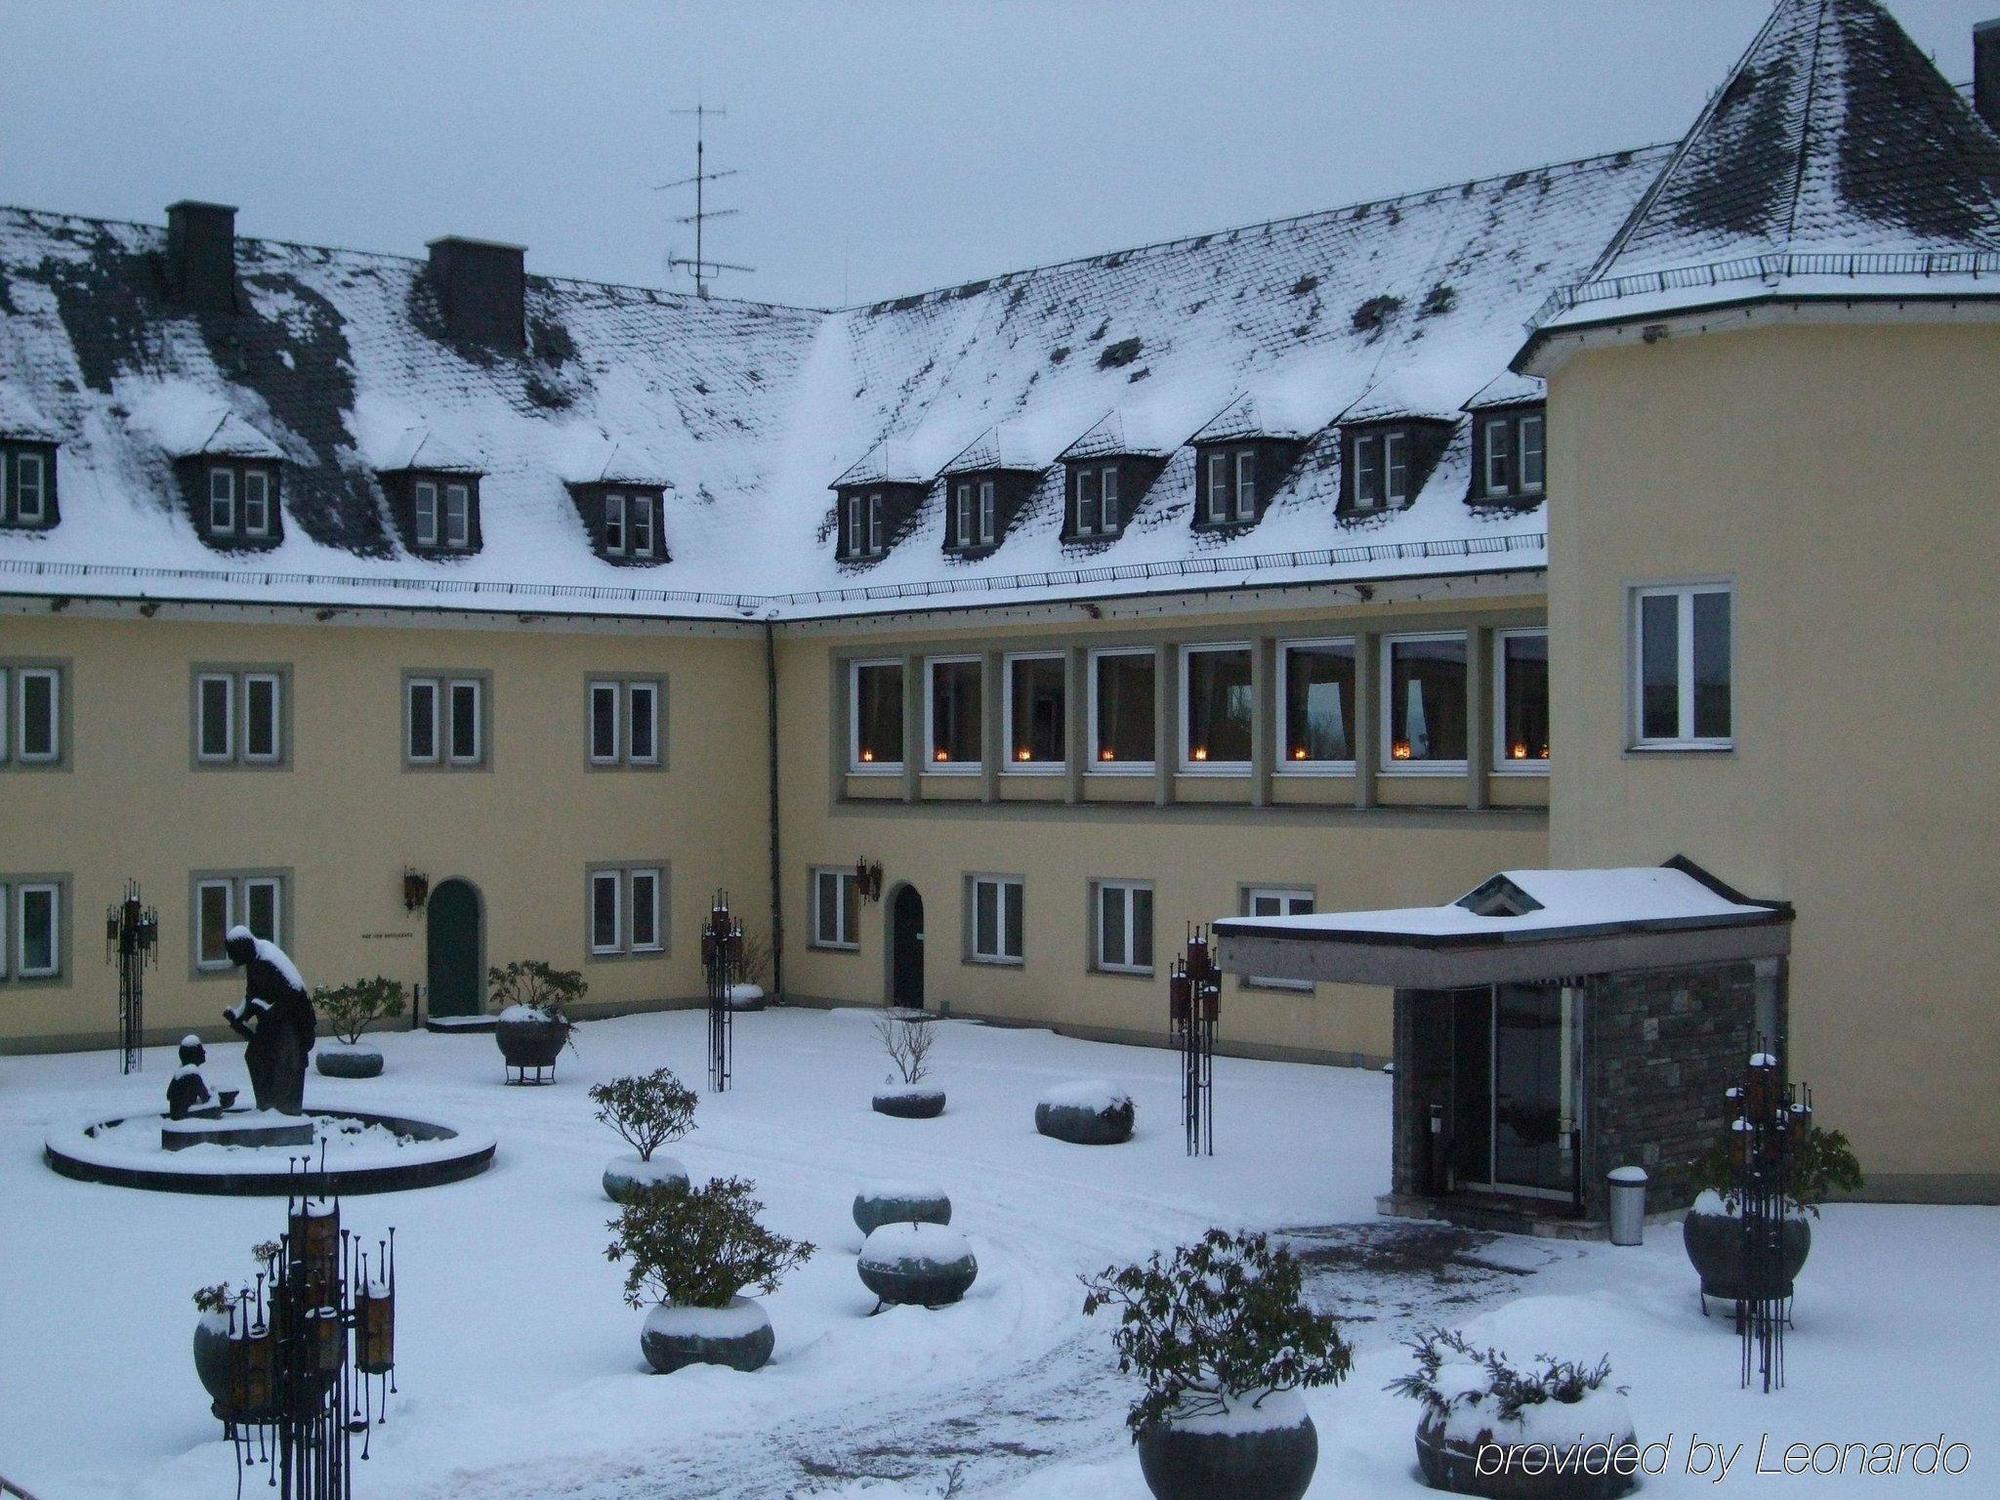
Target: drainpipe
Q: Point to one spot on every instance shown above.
(777, 874)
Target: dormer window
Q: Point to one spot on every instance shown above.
(241, 502)
(1234, 481)
(864, 535)
(1510, 454)
(630, 529)
(1096, 509)
(1385, 464)
(870, 515)
(27, 485)
(974, 513)
(439, 511)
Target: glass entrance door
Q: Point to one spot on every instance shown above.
(1514, 1088)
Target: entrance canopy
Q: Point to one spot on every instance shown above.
(1519, 925)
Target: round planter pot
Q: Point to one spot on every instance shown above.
(1087, 1114)
(211, 1355)
(738, 1336)
(917, 1265)
(627, 1179)
(1195, 1460)
(1715, 1245)
(529, 1041)
(746, 997)
(910, 1102)
(347, 1062)
(1452, 1463)
(874, 1207)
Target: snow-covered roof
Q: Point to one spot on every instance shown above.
(1834, 161)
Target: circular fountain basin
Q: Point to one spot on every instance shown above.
(365, 1153)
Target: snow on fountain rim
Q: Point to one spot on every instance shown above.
(1086, 1093)
(76, 1142)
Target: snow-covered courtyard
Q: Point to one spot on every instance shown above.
(519, 1364)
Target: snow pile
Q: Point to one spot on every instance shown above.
(1086, 1093)
(739, 1319)
(895, 1245)
(1250, 1411)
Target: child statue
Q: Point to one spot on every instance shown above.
(187, 1090)
(276, 1017)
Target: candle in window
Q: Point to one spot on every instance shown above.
(1400, 750)
(1201, 752)
(941, 755)
(1298, 752)
(1518, 751)
(867, 755)
(1023, 754)
(1107, 753)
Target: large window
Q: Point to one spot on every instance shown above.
(627, 916)
(1277, 901)
(1097, 509)
(222, 900)
(1037, 713)
(993, 928)
(1682, 666)
(444, 721)
(31, 715)
(875, 715)
(836, 921)
(1424, 691)
(1521, 689)
(625, 721)
(1510, 458)
(31, 927)
(1122, 696)
(1217, 708)
(953, 737)
(1122, 927)
(239, 717)
(1316, 690)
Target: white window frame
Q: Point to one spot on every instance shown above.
(615, 879)
(450, 716)
(1499, 434)
(277, 886)
(1219, 500)
(1396, 460)
(424, 498)
(276, 682)
(457, 515)
(1288, 897)
(655, 908)
(640, 522)
(1011, 766)
(1098, 961)
(650, 690)
(989, 526)
(875, 523)
(1685, 593)
(932, 765)
(54, 754)
(40, 514)
(235, 891)
(1540, 422)
(614, 523)
(965, 501)
(259, 495)
(606, 688)
(1184, 753)
(998, 954)
(227, 753)
(19, 897)
(1098, 765)
(1503, 762)
(1088, 481)
(1246, 484)
(226, 885)
(845, 904)
(1109, 520)
(1368, 462)
(855, 764)
(410, 720)
(1385, 737)
(1283, 764)
(222, 492)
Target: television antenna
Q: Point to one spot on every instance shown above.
(699, 266)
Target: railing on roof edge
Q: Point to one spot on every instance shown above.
(1187, 567)
(1974, 263)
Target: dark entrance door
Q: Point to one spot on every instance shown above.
(906, 948)
(452, 950)
(1514, 1088)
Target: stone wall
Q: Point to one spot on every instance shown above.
(1423, 1077)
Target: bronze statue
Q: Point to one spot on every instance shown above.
(276, 1017)
(187, 1090)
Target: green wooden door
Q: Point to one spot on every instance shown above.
(452, 949)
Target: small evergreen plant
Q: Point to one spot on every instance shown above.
(647, 1109)
(1511, 1390)
(1823, 1162)
(698, 1247)
(1222, 1319)
(352, 1008)
(532, 982)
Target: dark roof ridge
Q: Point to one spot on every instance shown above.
(1126, 252)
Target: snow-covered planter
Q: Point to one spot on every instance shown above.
(744, 996)
(211, 1343)
(1090, 1112)
(1713, 1235)
(917, 1265)
(910, 1101)
(691, 1253)
(738, 1335)
(1553, 1431)
(529, 1038)
(1224, 1342)
(535, 1002)
(339, 1060)
(899, 1203)
(648, 1110)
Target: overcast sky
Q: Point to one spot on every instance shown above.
(883, 147)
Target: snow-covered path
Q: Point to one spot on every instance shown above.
(519, 1364)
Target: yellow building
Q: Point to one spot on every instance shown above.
(423, 615)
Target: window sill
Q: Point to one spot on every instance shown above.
(876, 768)
(1422, 768)
(834, 947)
(1120, 973)
(1124, 768)
(1215, 768)
(1035, 768)
(987, 961)
(1678, 749)
(1529, 768)
(954, 768)
(1313, 768)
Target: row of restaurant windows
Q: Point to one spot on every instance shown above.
(1424, 692)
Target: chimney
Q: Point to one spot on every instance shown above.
(481, 287)
(1986, 71)
(201, 255)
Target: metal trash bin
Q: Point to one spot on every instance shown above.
(1628, 1205)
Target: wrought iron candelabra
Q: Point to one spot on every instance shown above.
(1772, 1121)
(312, 1351)
(1194, 1001)
(721, 956)
(132, 941)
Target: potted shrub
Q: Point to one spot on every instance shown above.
(1089, 1112)
(748, 991)
(536, 1003)
(648, 1109)
(347, 1012)
(907, 1036)
(1822, 1162)
(1224, 1343)
(217, 1318)
(691, 1253)
(1551, 1431)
